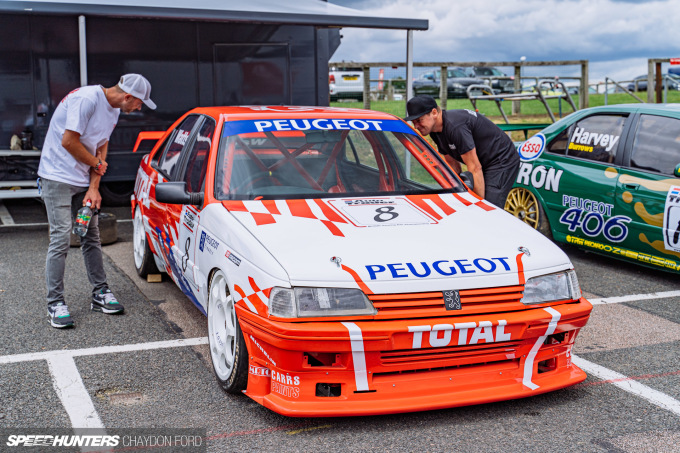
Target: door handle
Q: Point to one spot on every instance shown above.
(632, 186)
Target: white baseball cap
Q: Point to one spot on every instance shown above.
(139, 87)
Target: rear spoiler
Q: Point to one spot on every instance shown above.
(147, 135)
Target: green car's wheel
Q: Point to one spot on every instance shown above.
(522, 203)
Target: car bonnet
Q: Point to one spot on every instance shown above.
(398, 243)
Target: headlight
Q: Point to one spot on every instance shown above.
(311, 302)
(457, 86)
(552, 287)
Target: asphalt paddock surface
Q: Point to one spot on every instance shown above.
(634, 408)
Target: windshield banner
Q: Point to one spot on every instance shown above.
(306, 124)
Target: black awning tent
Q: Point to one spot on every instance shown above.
(296, 12)
(301, 12)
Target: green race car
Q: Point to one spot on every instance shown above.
(606, 179)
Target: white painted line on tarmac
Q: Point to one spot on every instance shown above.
(619, 380)
(46, 355)
(5, 216)
(634, 297)
(68, 383)
(72, 392)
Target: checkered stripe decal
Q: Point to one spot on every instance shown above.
(256, 301)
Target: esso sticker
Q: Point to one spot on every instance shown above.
(532, 148)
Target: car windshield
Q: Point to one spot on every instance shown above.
(298, 158)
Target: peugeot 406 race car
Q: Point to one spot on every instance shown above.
(344, 268)
(606, 179)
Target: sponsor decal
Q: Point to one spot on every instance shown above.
(306, 124)
(189, 219)
(589, 218)
(671, 220)
(583, 137)
(532, 148)
(539, 177)
(207, 243)
(441, 267)
(462, 333)
(181, 137)
(233, 258)
(285, 384)
(258, 370)
(625, 253)
(261, 349)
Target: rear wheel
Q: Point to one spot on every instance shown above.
(522, 203)
(227, 347)
(144, 260)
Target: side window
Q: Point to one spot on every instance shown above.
(197, 163)
(159, 153)
(596, 137)
(169, 160)
(558, 145)
(656, 146)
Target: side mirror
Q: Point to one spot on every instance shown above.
(676, 172)
(467, 178)
(176, 193)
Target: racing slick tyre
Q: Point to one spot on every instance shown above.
(227, 347)
(144, 260)
(522, 203)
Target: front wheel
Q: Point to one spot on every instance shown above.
(522, 203)
(227, 347)
(144, 260)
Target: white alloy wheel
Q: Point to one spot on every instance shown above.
(227, 346)
(139, 238)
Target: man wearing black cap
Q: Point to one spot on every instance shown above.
(465, 136)
(72, 162)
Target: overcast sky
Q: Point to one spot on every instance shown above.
(616, 36)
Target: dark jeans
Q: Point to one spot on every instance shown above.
(498, 182)
(62, 202)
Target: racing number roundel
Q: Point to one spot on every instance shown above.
(532, 148)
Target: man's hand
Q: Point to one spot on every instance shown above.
(100, 168)
(93, 195)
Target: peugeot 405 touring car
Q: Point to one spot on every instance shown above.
(346, 270)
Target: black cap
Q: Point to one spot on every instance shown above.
(418, 106)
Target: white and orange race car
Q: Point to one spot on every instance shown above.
(346, 270)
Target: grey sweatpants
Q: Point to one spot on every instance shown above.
(62, 202)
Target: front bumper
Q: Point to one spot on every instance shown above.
(336, 368)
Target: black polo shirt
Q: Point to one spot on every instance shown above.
(466, 129)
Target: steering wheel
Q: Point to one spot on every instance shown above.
(252, 179)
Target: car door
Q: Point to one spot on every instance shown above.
(185, 219)
(166, 168)
(646, 190)
(578, 176)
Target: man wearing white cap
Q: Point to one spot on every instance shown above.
(72, 162)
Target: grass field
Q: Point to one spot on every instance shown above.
(532, 111)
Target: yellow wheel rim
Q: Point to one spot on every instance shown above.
(523, 204)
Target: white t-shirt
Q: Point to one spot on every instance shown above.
(87, 112)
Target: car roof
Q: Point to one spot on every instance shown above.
(643, 108)
(251, 112)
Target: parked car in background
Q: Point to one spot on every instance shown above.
(318, 242)
(639, 83)
(606, 179)
(498, 79)
(457, 81)
(346, 83)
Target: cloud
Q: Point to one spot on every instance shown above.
(487, 30)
